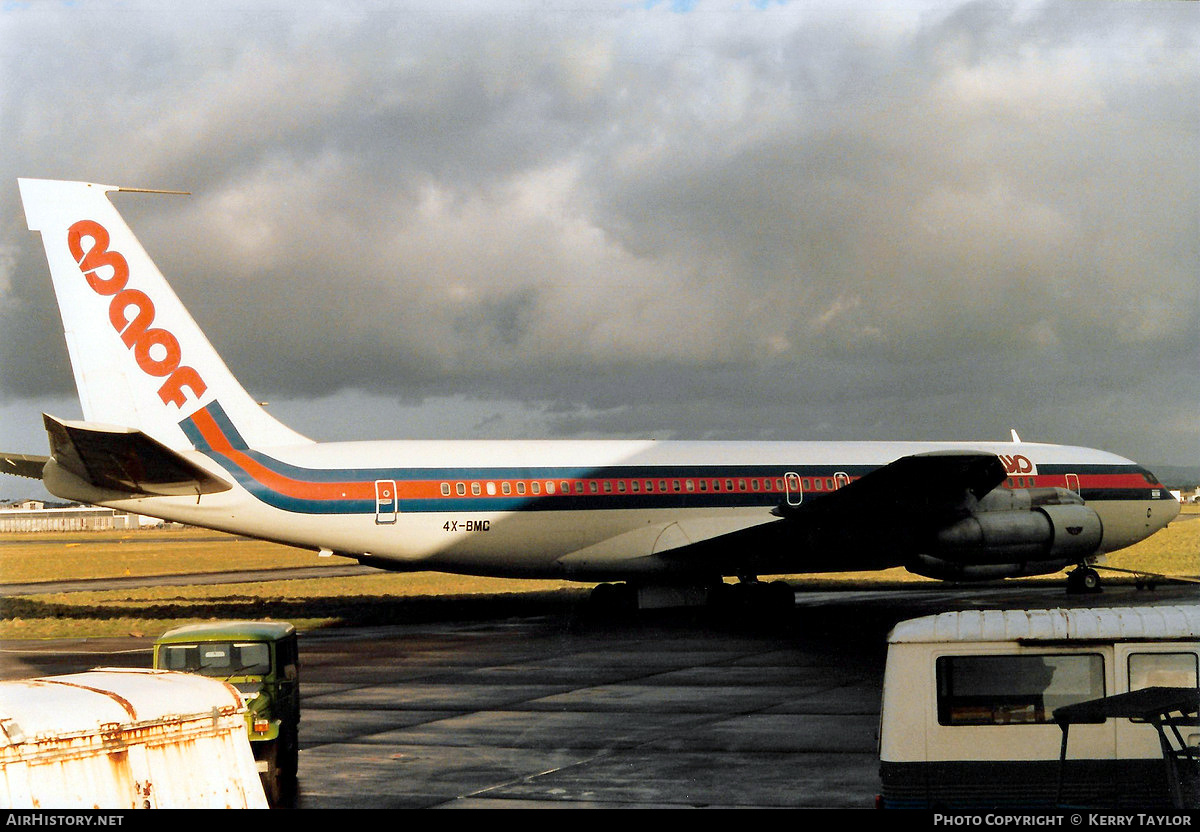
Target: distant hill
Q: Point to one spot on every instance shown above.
(1177, 476)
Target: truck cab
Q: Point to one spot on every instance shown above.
(260, 659)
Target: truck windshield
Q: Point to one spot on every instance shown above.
(217, 658)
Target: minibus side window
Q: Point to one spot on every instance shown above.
(1169, 670)
(1014, 690)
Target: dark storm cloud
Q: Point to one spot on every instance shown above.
(809, 221)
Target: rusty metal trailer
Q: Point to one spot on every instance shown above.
(125, 739)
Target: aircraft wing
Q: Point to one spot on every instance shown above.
(126, 460)
(871, 521)
(931, 486)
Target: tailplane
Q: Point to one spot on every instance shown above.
(139, 359)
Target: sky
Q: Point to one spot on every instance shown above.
(702, 220)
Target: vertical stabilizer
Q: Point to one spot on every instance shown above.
(139, 359)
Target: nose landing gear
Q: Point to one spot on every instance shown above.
(1083, 579)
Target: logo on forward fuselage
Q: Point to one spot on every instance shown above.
(1017, 464)
(155, 349)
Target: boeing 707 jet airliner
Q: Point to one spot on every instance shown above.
(167, 431)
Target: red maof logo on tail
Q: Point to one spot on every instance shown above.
(136, 331)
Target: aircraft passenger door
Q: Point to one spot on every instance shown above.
(839, 479)
(386, 503)
(792, 489)
(1073, 482)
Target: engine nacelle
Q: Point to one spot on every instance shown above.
(944, 570)
(1012, 534)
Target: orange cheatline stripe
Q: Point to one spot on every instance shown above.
(277, 482)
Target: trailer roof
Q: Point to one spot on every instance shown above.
(1103, 624)
(82, 703)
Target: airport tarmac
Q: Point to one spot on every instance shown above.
(557, 711)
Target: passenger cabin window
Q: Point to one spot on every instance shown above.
(445, 489)
(1014, 690)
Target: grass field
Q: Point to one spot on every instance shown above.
(321, 602)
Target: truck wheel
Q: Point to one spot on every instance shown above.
(287, 762)
(271, 778)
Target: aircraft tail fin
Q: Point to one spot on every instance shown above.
(140, 360)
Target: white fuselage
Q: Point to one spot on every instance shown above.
(586, 509)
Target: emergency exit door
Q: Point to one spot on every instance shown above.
(386, 503)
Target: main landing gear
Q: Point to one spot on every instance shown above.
(750, 595)
(1083, 579)
(612, 598)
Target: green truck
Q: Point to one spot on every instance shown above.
(260, 659)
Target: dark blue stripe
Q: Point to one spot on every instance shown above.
(560, 502)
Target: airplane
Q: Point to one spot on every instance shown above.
(169, 432)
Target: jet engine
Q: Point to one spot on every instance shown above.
(1013, 533)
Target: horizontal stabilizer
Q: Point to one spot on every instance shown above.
(124, 459)
(23, 465)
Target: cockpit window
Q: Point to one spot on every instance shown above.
(1150, 478)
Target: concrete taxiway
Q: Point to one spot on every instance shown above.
(674, 709)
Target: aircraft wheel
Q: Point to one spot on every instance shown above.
(1083, 579)
(612, 598)
(782, 595)
(720, 596)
